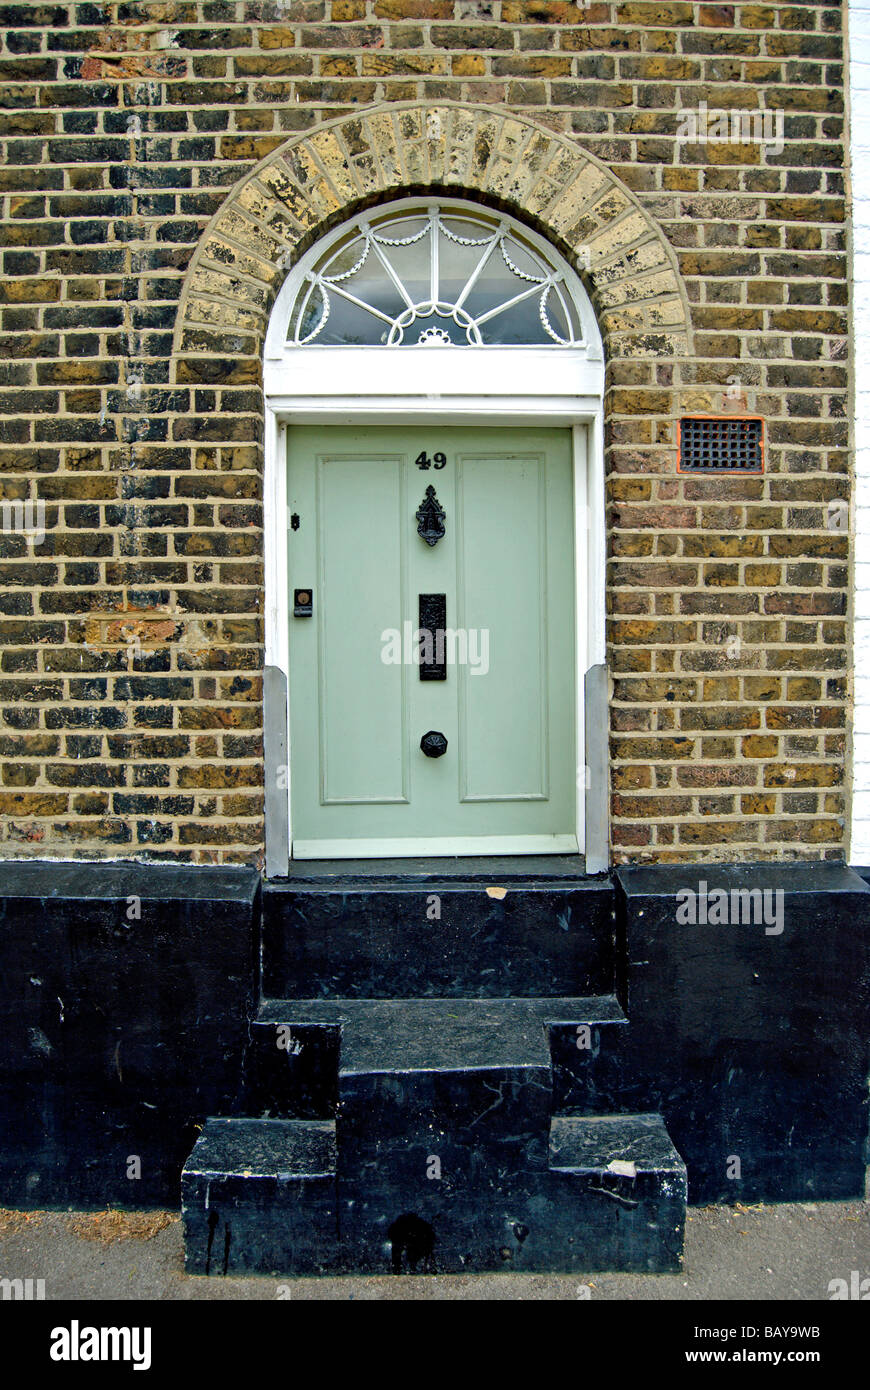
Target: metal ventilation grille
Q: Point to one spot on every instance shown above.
(722, 444)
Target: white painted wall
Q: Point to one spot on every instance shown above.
(859, 80)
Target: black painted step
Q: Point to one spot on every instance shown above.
(609, 1194)
(300, 1048)
(602, 1144)
(392, 938)
(424, 1026)
(490, 868)
(627, 1186)
(260, 1195)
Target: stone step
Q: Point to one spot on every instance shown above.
(457, 1086)
(601, 1144)
(485, 937)
(267, 1196)
(610, 1195)
(625, 1183)
(260, 1196)
(303, 1053)
(453, 1094)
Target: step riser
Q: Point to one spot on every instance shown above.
(555, 1223)
(381, 943)
(590, 1079)
(292, 1070)
(478, 1127)
(244, 1225)
(605, 1234)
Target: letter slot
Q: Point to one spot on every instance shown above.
(432, 624)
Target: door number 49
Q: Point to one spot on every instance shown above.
(424, 461)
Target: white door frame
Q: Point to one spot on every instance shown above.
(487, 386)
(585, 416)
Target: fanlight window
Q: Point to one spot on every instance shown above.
(434, 276)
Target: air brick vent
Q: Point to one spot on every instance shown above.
(710, 444)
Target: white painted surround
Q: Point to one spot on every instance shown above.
(859, 125)
(491, 385)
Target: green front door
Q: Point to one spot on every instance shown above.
(494, 671)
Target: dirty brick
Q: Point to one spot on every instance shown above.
(132, 367)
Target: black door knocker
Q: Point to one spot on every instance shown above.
(430, 518)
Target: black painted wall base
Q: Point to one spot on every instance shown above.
(752, 1037)
(125, 998)
(129, 997)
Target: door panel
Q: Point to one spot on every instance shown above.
(501, 588)
(361, 542)
(358, 708)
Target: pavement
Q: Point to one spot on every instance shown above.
(759, 1253)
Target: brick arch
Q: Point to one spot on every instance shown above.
(315, 180)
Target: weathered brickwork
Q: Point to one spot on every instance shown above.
(164, 163)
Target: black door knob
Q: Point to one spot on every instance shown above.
(433, 744)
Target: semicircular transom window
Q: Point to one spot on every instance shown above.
(434, 276)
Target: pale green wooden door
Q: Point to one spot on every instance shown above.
(503, 572)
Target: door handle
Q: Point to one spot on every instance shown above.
(433, 744)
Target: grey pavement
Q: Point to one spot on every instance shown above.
(743, 1253)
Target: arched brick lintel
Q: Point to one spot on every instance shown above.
(312, 181)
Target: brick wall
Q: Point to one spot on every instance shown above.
(130, 674)
(859, 93)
